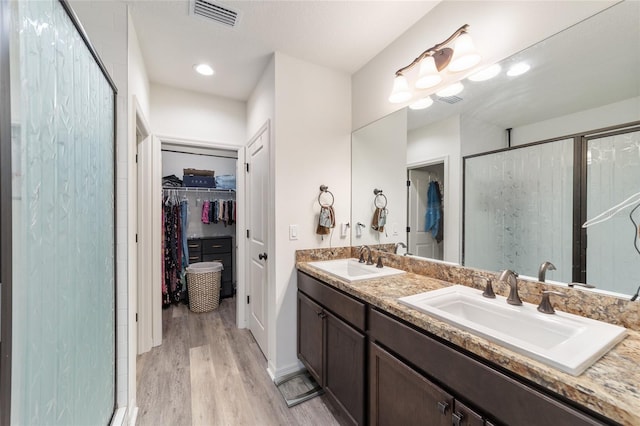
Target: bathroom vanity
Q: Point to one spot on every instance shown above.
(384, 363)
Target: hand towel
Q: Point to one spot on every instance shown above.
(379, 219)
(326, 220)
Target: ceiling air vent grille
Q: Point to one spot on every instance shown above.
(215, 12)
(450, 99)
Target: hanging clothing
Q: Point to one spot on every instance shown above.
(205, 212)
(184, 218)
(173, 247)
(434, 215)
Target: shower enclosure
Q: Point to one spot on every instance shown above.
(57, 195)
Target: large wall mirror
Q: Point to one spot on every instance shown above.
(583, 79)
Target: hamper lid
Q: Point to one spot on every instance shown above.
(202, 267)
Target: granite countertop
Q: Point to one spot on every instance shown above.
(609, 387)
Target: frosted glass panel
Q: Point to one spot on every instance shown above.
(63, 360)
(613, 174)
(518, 210)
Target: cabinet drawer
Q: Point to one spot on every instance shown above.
(216, 245)
(194, 258)
(348, 308)
(504, 398)
(194, 245)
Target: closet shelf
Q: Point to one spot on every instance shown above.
(198, 189)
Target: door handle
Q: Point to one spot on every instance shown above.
(457, 418)
(262, 256)
(443, 407)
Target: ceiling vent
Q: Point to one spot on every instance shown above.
(450, 99)
(214, 11)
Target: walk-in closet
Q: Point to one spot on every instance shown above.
(199, 213)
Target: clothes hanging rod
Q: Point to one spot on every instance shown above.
(196, 189)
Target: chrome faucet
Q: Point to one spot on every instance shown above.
(398, 244)
(544, 267)
(369, 258)
(510, 277)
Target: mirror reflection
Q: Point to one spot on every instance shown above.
(568, 90)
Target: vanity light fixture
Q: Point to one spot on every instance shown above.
(203, 69)
(486, 74)
(462, 56)
(422, 103)
(518, 69)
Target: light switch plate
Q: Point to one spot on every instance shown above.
(293, 232)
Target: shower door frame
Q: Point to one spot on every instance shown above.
(6, 201)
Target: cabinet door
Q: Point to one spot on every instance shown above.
(310, 336)
(398, 395)
(465, 416)
(345, 367)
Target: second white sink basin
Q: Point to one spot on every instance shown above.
(568, 342)
(350, 270)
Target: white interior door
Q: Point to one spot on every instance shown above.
(257, 213)
(421, 243)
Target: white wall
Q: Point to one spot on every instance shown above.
(441, 140)
(622, 112)
(107, 25)
(499, 29)
(186, 115)
(379, 161)
(312, 147)
(477, 136)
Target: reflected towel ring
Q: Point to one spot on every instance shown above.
(380, 200)
(324, 189)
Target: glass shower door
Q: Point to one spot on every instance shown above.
(63, 281)
(613, 175)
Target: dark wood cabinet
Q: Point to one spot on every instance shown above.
(311, 336)
(345, 351)
(398, 395)
(215, 249)
(331, 347)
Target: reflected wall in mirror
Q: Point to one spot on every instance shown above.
(568, 90)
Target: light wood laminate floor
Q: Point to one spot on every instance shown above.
(208, 372)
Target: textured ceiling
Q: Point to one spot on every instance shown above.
(342, 35)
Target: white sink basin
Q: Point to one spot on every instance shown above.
(568, 342)
(350, 270)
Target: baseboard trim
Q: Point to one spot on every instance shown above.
(285, 371)
(119, 417)
(133, 418)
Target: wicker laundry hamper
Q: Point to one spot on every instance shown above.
(203, 285)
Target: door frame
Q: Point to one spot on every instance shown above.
(6, 218)
(240, 220)
(445, 199)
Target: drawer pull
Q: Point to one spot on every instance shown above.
(457, 418)
(194, 245)
(216, 246)
(443, 407)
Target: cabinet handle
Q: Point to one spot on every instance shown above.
(216, 246)
(457, 418)
(443, 407)
(194, 246)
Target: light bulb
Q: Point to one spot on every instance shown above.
(518, 69)
(203, 69)
(486, 73)
(400, 92)
(452, 90)
(428, 75)
(465, 54)
(422, 103)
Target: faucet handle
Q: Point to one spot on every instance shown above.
(379, 264)
(488, 287)
(545, 305)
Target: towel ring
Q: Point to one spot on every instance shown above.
(380, 200)
(324, 189)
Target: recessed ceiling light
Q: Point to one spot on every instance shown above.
(203, 69)
(452, 90)
(486, 73)
(422, 103)
(518, 69)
